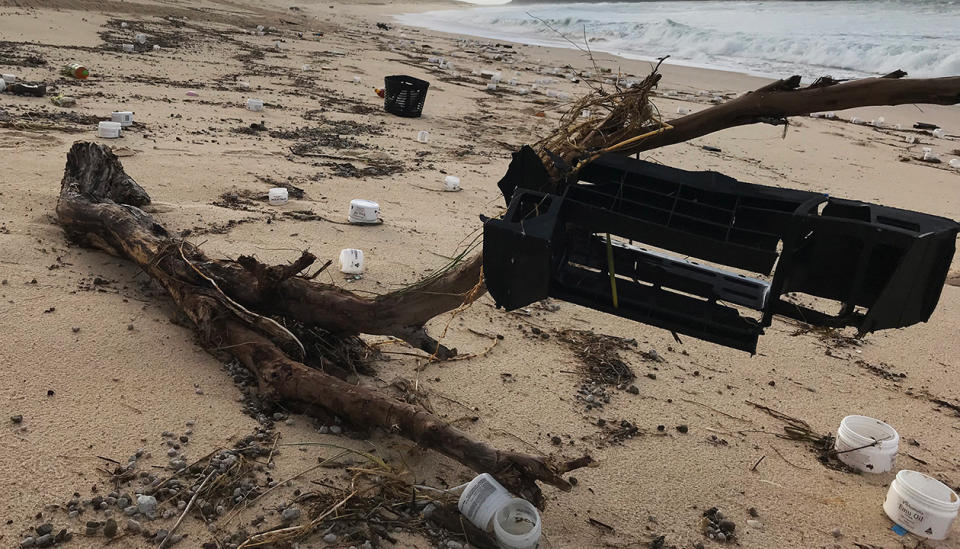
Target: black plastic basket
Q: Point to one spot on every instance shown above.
(404, 95)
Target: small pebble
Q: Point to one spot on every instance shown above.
(133, 526)
(837, 533)
(682, 428)
(335, 429)
(753, 512)
(453, 544)
(633, 390)
(110, 528)
(330, 538)
(290, 514)
(27, 541)
(44, 529)
(147, 505)
(755, 524)
(17, 419)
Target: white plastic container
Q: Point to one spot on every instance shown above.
(9, 78)
(910, 139)
(140, 37)
(856, 121)
(255, 105)
(938, 133)
(278, 196)
(451, 183)
(351, 261)
(830, 115)
(356, 79)
(423, 136)
(683, 110)
(854, 438)
(127, 48)
(481, 499)
(491, 87)
(109, 130)
(921, 504)
(123, 25)
(517, 525)
(125, 118)
(930, 156)
(3, 84)
(364, 211)
(156, 47)
(955, 163)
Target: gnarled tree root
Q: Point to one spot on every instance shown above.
(230, 304)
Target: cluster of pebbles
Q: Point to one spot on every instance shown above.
(717, 527)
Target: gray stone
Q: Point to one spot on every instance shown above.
(73, 514)
(323, 429)
(147, 505)
(335, 429)
(133, 526)
(429, 510)
(290, 514)
(28, 542)
(330, 538)
(110, 528)
(837, 533)
(366, 545)
(45, 540)
(44, 529)
(131, 510)
(453, 544)
(123, 502)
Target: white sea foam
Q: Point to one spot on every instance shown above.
(844, 38)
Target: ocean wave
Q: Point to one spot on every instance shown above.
(770, 38)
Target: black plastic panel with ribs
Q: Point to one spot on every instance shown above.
(891, 262)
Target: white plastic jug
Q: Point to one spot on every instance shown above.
(277, 196)
(867, 444)
(109, 130)
(351, 261)
(364, 211)
(921, 504)
(125, 118)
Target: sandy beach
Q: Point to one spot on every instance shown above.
(98, 363)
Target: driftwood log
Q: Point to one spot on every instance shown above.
(784, 98)
(230, 304)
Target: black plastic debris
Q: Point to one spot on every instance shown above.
(591, 243)
(404, 95)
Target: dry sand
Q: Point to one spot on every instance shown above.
(134, 369)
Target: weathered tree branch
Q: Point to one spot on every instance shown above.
(98, 208)
(785, 98)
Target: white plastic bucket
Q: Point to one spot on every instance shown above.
(481, 499)
(140, 37)
(9, 78)
(277, 196)
(854, 437)
(109, 130)
(351, 261)
(451, 183)
(423, 136)
(921, 504)
(125, 118)
(255, 105)
(127, 47)
(517, 525)
(364, 211)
